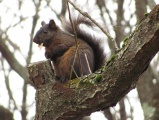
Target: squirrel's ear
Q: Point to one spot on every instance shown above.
(43, 23)
(52, 24)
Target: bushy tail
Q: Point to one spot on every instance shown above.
(93, 41)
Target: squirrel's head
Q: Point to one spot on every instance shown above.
(46, 33)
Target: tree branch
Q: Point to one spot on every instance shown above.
(13, 62)
(102, 89)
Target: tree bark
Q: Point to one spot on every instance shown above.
(79, 97)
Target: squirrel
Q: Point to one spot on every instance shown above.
(71, 57)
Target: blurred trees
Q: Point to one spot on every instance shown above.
(19, 20)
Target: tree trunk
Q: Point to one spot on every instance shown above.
(79, 97)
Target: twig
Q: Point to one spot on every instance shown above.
(74, 72)
(87, 63)
(35, 19)
(115, 47)
(75, 35)
(101, 5)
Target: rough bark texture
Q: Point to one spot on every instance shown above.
(41, 73)
(80, 97)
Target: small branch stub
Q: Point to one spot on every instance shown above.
(41, 73)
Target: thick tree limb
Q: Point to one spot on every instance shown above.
(80, 97)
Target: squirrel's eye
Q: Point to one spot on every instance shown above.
(45, 31)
